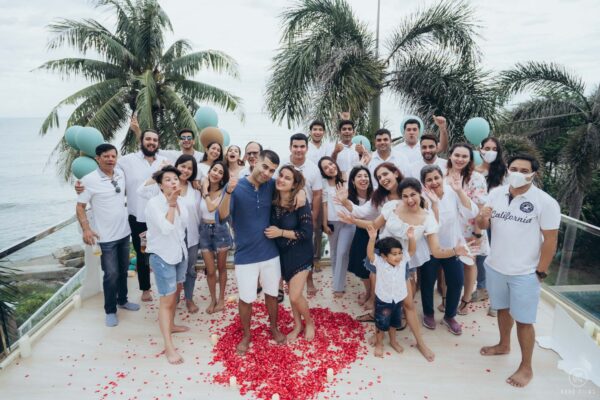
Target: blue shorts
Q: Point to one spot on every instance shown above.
(167, 276)
(387, 315)
(214, 237)
(520, 294)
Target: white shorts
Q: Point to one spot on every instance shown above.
(248, 276)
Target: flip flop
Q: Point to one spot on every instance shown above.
(280, 296)
(366, 318)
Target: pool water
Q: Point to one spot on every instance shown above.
(588, 300)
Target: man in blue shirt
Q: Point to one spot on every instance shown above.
(256, 257)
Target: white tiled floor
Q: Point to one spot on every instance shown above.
(82, 359)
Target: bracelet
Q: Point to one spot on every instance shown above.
(229, 193)
(173, 206)
(282, 233)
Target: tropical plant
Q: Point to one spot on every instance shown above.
(8, 296)
(328, 62)
(133, 74)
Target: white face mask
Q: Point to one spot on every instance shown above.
(489, 156)
(518, 179)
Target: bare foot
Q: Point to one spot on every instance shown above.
(309, 332)
(378, 350)
(211, 307)
(293, 335)
(396, 346)
(242, 346)
(220, 306)
(173, 357)
(191, 306)
(362, 298)
(371, 340)
(521, 377)
(147, 295)
(278, 336)
(338, 295)
(369, 304)
(496, 350)
(311, 290)
(426, 352)
(179, 328)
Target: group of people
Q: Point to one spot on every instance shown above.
(399, 218)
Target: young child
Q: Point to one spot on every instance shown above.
(390, 285)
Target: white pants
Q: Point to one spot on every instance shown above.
(248, 275)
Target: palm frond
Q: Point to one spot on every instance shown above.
(90, 69)
(202, 92)
(209, 59)
(182, 115)
(580, 159)
(449, 25)
(176, 50)
(146, 98)
(112, 115)
(149, 38)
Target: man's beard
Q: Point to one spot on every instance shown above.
(148, 153)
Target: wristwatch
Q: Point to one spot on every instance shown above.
(541, 275)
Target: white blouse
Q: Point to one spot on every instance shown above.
(451, 212)
(166, 239)
(329, 193)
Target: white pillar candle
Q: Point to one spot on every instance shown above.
(77, 301)
(275, 397)
(25, 346)
(231, 299)
(232, 382)
(214, 338)
(589, 327)
(329, 374)
(598, 338)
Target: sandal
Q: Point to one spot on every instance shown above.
(280, 296)
(462, 308)
(442, 307)
(368, 317)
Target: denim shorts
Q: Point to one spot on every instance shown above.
(387, 315)
(520, 294)
(167, 276)
(214, 237)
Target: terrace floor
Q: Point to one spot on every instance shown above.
(82, 359)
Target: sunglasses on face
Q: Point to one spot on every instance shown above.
(116, 185)
(186, 137)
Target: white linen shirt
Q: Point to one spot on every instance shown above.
(137, 170)
(415, 168)
(315, 153)
(390, 285)
(329, 194)
(191, 201)
(413, 154)
(348, 158)
(516, 229)
(108, 214)
(173, 155)
(400, 161)
(165, 239)
(451, 211)
(312, 177)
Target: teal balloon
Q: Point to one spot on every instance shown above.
(71, 136)
(226, 137)
(81, 166)
(360, 139)
(88, 139)
(476, 129)
(477, 158)
(422, 126)
(206, 117)
(132, 262)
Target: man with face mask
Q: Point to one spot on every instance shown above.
(524, 221)
(429, 151)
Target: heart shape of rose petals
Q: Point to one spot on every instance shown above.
(295, 370)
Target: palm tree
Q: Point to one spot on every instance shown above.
(327, 61)
(8, 292)
(134, 74)
(560, 106)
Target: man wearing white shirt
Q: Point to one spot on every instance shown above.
(384, 153)
(251, 152)
(316, 147)
(411, 131)
(345, 153)
(105, 192)
(313, 185)
(524, 221)
(139, 167)
(429, 150)
(187, 140)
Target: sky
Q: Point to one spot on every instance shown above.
(561, 31)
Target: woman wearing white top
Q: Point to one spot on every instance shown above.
(187, 166)
(234, 161)
(215, 236)
(340, 234)
(165, 216)
(214, 152)
(448, 204)
(461, 166)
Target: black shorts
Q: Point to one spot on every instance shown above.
(387, 315)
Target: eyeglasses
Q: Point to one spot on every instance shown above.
(252, 154)
(186, 138)
(116, 185)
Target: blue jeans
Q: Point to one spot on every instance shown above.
(191, 274)
(115, 263)
(454, 277)
(480, 272)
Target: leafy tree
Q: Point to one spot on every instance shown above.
(133, 73)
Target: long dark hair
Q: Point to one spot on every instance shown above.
(352, 192)
(381, 193)
(414, 184)
(225, 178)
(205, 157)
(468, 169)
(185, 158)
(339, 177)
(498, 168)
(298, 181)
